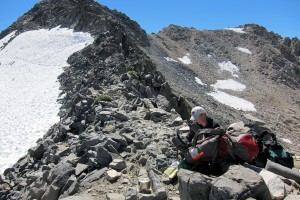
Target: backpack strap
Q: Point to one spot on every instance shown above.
(216, 153)
(229, 145)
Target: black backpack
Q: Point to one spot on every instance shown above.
(270, 149)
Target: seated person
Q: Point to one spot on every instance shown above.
(199, 120)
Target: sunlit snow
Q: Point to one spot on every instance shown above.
(229, 84)
(170, 59)
(237, 30)
(185, 59)
(244, 50)
(208, 55)
(228, 66)
(286, 140)
(232, 101)
(29, 67)
(199, 81)
(4, 40)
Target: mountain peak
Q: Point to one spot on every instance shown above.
(80, 15)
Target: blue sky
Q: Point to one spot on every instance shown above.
(279, 16)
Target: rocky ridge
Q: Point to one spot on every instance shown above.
(118, 115)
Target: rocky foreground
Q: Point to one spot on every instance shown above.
(118, 116)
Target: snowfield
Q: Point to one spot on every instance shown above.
(229, 84)
(186, 59)
(232, 101)
(228, 66)
(29, 67)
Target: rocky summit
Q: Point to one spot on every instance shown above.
(123, 96)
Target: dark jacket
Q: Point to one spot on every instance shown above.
(195, 127)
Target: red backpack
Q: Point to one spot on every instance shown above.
(241, 145)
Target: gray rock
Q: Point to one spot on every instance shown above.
(115, 196)
(103, 157)
(37, 152)
(121, 116)
(61, 173)
(225, 188)
(146, 196)
(142, 144)
(74, 198)
(277, 188)
(33, 177)
(80, 168)
(90, 142)
(23, 163)
(119, 139)
(113, 143)
(131, 194)
(93, 176)
(52, 193)
(117, 164)
(112, 175)
(37, 192)
(62, 150)
(156, 182)
(292, 197)
(129, 139)
(72, 189)
(275, 184)
(72, 159)
(142, 160)
(178, 121)
(235, 185)
(70, 181)
(193, 185)
(163, 103)
(151, 150)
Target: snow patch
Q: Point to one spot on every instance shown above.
(29, 67)
(185, 59)
(286, 140)
(170, 59)
(4, 40)
(237, 30)
(208, 55)
(244, 50)
(228, 66)
(199, 81)
(229, 84)
(232, 101)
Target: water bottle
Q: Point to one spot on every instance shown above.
(175, 164)
(195, 153)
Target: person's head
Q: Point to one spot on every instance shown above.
(198, 114)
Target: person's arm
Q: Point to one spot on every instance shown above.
(193, 130)
(212, 123)
(216, 125)
(190, 136)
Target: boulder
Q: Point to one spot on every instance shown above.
(235, 185)
(103, 157)
(118, 164)
(37, 152)
(115, 196)
(193, 185)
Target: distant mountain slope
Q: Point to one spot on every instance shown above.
(265, 63)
